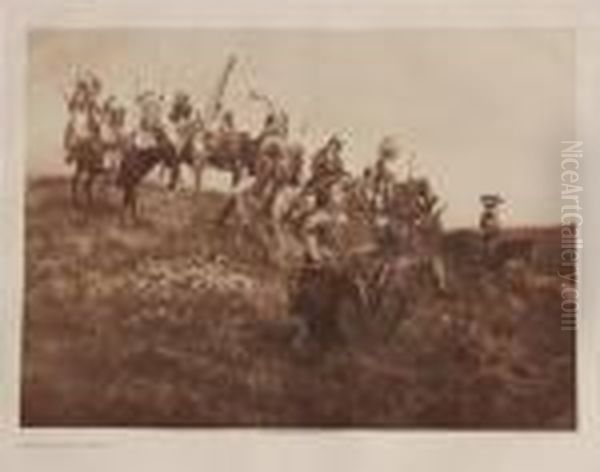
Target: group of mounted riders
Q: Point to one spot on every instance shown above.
(280, 197)
(267, 169)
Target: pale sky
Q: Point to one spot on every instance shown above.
(486, 110)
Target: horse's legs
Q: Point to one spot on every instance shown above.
(129, 204)
(227, 210)
(88, 187)
(172, 185)
(279, 245)
(236, 175)
(175, 166)
(75, 185)
(198, 168)
(162, 168)
(134, 204)
(124, 205)
(264, 241)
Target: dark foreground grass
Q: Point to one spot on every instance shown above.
(162, 325)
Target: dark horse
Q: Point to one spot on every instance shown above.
(87, 157)
(85, 150)
(137, 163)
(234, 152)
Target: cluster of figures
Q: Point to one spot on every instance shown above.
(271, 191)
(282, 199)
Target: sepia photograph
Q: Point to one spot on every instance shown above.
(301, 228)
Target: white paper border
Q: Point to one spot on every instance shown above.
(284, 450)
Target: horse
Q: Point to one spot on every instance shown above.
(364, 292)
(137, 163)
(229, 151)
(95, 141)
(84, 149)
(411, 229)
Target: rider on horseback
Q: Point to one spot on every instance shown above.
(327, 167)
(86, 92)
(83, 137)
(83, 128)
(151, 131)
(317, 224)
(184, 121)
(112, 132)
(386, 172)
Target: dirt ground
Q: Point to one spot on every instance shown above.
(162, 324)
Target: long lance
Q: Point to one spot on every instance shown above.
(214, 103)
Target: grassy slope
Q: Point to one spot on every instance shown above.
(148, 326)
